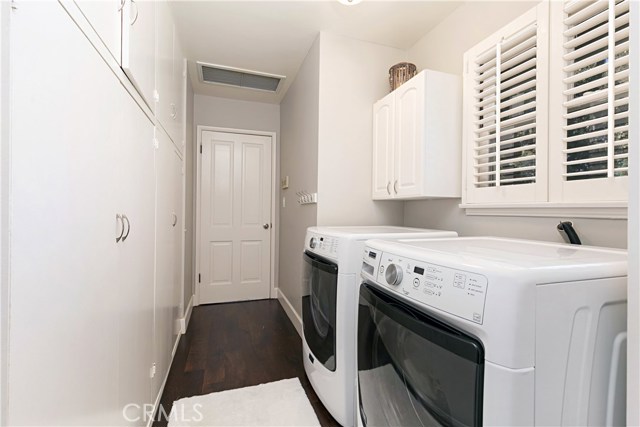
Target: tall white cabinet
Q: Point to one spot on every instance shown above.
(95, 231)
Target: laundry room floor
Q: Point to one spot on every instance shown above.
(235, 345)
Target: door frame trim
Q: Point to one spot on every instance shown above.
(274, 199)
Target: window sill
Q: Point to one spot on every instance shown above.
(605, 210)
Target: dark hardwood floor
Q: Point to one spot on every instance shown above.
(235, 345)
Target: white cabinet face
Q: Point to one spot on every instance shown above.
(167, 285)
(416, 139)
(409, 121)
(383, 155)
(139, 46)
(105, 17)
(135, 283)
(64, 306)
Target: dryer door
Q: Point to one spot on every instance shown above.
(414, 369)
(319, 308)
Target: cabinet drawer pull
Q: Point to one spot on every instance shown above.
(395, 186)
(121, 222)
(388, 189)
(124, 217)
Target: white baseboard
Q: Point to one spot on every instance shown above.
(184, 321)
(291, 312)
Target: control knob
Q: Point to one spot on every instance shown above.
(313, 242)
(393, 275)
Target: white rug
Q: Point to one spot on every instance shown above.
(280, 403)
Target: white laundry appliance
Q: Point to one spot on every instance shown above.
(332, 264)
(490, 331)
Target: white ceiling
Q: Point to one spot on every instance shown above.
(275, 36)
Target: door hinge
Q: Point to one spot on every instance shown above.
(201, 149)
(199, 278)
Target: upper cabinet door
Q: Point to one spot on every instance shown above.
(139, 46)
(383, 114)
(409, 137)
(105, 18)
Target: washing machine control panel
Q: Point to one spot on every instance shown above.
(322, 245)
(457, 292)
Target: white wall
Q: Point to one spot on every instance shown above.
(189, 211)
(299, 161)
(231, 113)
(353, 75)
(442, 49)
(4, 206)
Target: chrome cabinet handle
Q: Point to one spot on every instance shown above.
(395, 186)
(124, 217)
(135, 18)
(388, 189)
(119, 220)
(265, 226)
(175, 219)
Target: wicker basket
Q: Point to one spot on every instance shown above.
(400, 73)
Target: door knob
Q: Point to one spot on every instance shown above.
(265, 226)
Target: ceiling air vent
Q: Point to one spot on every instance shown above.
(228, 76)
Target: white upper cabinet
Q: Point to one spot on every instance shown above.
(105, 18)
(383, 147)
(139, 46)
(416, 139)
(169, 75)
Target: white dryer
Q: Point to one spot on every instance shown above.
(490, 331)
(332, 264)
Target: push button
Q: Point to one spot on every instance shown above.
(416, 283)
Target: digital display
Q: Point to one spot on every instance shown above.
(372, 254)
(418, 270)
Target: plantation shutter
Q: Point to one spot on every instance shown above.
(505, 113)
(592, 129)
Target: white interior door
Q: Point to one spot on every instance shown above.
(235, 217)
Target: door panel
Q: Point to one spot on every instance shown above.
(235, 191)
(409, 138)
(106, 19)
(139, 46)
(168, 242)
(383, 153)
(136, 174)
(64, 308)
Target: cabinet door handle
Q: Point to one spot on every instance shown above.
(124, 217)
(395, 186)
(119, 220)
(388, 189)
(135, 18)
(265, 226)
(175, 219)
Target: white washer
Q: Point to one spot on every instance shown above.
(332, 264)
(490, 331)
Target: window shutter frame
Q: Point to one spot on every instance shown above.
(573, 50)
(485, 179)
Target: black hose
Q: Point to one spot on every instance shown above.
(567, 227)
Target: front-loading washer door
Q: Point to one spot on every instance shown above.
(413, 369)
(319, 308)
